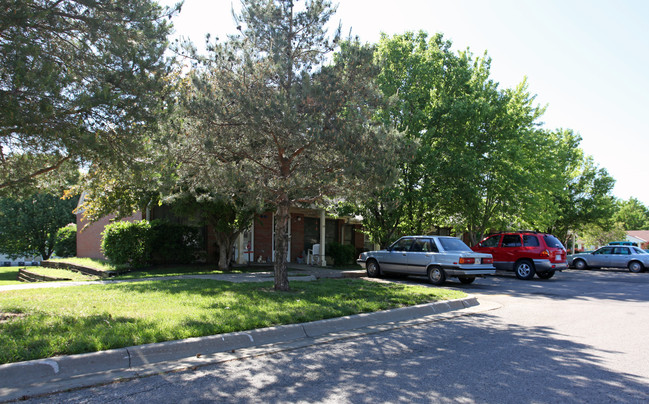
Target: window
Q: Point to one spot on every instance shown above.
(604, 250)
(553, 242)
(402, 244)
(621, 251)
(421, 245)
(491, 241)
(511, 240)
(453, 244)
(530, 240)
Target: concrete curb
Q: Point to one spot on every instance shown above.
(31, 378)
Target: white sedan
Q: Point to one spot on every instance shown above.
(612, 256)
(437, 257)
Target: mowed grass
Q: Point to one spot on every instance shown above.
(41, 323)
(123, 272)
(9, 276)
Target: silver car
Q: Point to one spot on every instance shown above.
(437, 257)
(612, 256)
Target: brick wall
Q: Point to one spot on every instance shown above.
(359, 238)
(264, 237)
(89, 238)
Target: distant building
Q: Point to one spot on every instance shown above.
(639, 236)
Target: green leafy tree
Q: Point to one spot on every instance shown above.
(632, 215)
(269, 111)
(597, 235)
(80, 81)
(581, 195)
(227, 217)
(66, 241)
(29, 225)
(476, 166)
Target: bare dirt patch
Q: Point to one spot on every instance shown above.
(5, 317)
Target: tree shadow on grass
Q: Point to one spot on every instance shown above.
(41, 335)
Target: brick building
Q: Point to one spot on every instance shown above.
(255, 244)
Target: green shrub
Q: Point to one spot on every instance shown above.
(343, 254)
(127, 243)
(174, 243)
(66, 241)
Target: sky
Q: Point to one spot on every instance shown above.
(587, 61)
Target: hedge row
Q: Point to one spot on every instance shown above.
(142, 243)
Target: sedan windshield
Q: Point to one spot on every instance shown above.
(453, 244)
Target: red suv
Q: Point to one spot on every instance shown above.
(526, 253)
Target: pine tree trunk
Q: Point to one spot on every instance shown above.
(281, 245)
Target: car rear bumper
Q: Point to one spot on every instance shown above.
(468, 272)
(546, 265)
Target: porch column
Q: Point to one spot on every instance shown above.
(322, 237)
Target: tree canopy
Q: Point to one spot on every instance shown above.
(29, 225)
(80, 81)
(268, 110)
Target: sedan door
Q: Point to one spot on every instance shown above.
(421, 254)
(396, 259)
(601, 257)
(620, 257)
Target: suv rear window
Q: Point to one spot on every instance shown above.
(530, 240)
(552, 242)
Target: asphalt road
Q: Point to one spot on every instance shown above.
(579, 337)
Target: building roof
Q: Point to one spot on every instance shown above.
(639, 234)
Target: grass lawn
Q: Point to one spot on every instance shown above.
(9, 276)
(174, 270)
(165, 270)
(41, 323)
(62, 273)
(101, 265)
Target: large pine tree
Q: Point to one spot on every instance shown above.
(80, 81)
(272, 110)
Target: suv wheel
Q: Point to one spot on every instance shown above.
(545, 275)
(635, 267)
(436, 276)
(524, 269)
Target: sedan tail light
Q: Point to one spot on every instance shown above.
(487, 260)
(467, 260)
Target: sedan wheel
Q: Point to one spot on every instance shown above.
(373, 269)
(580, 264)
(524, 270)
(466, 279)
(436, 276)
(635, 267)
